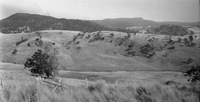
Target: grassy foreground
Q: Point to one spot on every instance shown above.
(100, 92)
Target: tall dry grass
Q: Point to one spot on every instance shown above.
(100, 92)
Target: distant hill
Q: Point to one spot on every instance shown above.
(23, 22)
(131, 22)
(125, 22)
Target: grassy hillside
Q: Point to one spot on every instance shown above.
(103, 51)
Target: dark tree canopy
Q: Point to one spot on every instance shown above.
(42, 64)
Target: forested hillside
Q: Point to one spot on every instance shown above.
(22, 22)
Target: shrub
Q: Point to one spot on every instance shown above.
(111, 35)
(14, 51)
(171, 47)
(193, 73)
(189, 42)
(28, 44)
(130, 51)
(190, 38)
(21, 41)
(95, 87)
(38, 42)
(179, 40)
(87, 37)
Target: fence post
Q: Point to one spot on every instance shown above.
(59, 84)
(86, 82)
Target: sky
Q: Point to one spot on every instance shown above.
(157, 10)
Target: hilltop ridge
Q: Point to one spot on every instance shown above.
(24, 22)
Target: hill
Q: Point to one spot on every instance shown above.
(125, 22)
(23, 22)
(103, 51)
(131, 22)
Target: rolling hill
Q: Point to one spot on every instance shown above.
(131, 22)
(86, 46)
(102, 51)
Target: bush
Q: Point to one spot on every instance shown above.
(42, 64)
(14, 51)
(190, 38)
(21, 41)
(28, 44)
(147, 50)
(38, 42)
(171, 47)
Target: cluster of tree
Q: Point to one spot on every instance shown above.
(126, 30)
(193, 73)
(188, 41)
(147, 50)
(96, 37)
(130, 49)
(170, 29)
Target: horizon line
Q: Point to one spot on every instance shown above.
(101, 19)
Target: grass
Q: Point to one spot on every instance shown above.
(100, 91)
(99, 55)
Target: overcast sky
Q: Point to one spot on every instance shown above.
(157, 10)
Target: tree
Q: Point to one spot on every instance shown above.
(43, 64)
(147, 50)
(193, 73)
(190, 38)
(186, 41)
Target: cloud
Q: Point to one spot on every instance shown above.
(9, 7)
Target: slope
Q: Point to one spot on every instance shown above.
(102, 51)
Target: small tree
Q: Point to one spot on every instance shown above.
(42, 64)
